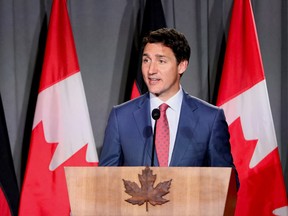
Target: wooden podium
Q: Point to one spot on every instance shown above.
(197, 191)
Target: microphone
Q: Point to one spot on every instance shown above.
(155, 116)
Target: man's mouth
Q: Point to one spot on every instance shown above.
(153, 80)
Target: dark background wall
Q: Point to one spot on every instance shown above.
(104, 33)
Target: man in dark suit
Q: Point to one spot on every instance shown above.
(198, 132)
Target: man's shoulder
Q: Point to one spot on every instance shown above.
(201, 108)
(198, 103)
(133, 103)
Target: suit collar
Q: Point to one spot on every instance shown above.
(142, 113)
(186, 126)
(143, 122)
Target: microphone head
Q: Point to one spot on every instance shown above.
(155, 114)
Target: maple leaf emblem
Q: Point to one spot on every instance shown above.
(261, 185)
(147, 193)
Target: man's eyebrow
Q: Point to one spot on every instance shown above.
(160, 56)
(157, 55)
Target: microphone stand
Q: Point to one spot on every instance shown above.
(155, 116)
(153, 146)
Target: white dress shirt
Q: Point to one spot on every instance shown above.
(173, 114)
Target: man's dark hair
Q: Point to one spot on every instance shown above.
(171, 38)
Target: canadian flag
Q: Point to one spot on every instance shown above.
(62, 134)
(243, 96)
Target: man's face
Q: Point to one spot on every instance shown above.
(160, 70)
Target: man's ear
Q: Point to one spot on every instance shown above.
(182, 67)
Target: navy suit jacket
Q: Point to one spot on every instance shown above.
(202, 138)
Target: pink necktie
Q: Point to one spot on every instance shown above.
(162, 138)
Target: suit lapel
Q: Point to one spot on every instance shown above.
(187, 124)
(143, 123)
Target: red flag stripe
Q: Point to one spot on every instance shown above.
(4, 207)
(135, 91)
(241, 58)
(60, 48)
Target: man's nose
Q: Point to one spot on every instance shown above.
(152, 68)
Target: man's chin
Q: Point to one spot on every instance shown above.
(156, 94)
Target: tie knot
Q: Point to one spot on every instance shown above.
(163, 107)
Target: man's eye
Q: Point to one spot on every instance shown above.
(162, 61)
(145, 60)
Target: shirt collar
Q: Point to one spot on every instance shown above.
(173, 102)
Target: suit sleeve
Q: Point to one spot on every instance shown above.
(111, 154)
(219, 145)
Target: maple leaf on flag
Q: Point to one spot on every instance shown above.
(38, 175)
(259, 178)
(147, 193)
(243, 149)
(69, 116)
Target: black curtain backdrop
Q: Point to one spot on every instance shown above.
(8, 180)
(104, 33)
